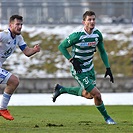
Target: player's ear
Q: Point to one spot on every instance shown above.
(83, 22)
(10, 25)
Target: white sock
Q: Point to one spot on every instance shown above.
(5, 100)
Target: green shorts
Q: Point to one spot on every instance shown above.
(86, 80)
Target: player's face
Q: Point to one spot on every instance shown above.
(89, 22)
(16, 26)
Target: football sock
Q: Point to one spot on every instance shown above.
(103, 111)
(5, 100)
(72, 90)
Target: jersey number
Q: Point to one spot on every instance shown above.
(86, 80)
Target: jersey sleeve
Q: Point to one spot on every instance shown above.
(21, 43)
(3, 36)
(65, 44)
(102, 51)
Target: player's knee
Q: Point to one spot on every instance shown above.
(97, 96)
(16, 81)
(86, 94)
(13, 81)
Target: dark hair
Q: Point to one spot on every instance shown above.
(15, 17)
(88, 13)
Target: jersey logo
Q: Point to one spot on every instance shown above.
(96, 39)
(14, 41)
(2, 77)
(7, 53)
(92, 44)
(85, 44)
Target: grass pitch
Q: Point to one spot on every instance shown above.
(67, 119)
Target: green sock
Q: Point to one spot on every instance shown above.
(103, 111)
(72, 90)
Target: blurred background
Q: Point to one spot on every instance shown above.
(66, 11)
(48, 22)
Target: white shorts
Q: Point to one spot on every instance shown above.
(4, 76)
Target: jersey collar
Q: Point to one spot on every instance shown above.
(11, 33)
(91, 32)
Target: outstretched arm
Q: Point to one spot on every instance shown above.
(31, 51)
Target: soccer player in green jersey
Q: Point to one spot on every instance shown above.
(84, 43)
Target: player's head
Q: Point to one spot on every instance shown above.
(15, 24)
(89, 19)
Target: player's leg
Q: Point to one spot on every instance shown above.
(98, 102)
(12, 83)
(58, 90)
(86, 94)
(100, 105)
(89, 83)
(78, 91)
(83, 81)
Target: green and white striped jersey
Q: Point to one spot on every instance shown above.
(83, 47)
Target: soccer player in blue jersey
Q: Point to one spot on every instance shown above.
(9, 40)
(83, 44)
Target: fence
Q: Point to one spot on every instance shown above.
(66, 12)
(46, 85)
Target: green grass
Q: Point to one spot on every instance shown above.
(66, 119)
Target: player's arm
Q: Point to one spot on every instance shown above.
(68, 42)
(26, 49)
(103, 54)
(64, 45)
(31, 51)
(104, 57)
(2, 36)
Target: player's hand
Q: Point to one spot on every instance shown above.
(76, 64)
(108, 72)
(37, 48)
